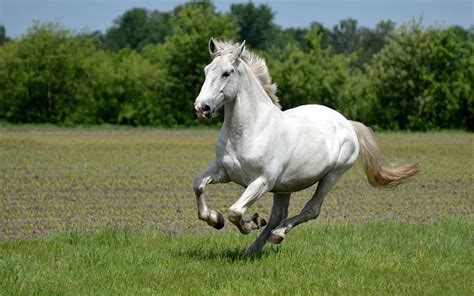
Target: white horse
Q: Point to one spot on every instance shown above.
(267, 150)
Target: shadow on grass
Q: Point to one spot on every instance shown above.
(228, 255)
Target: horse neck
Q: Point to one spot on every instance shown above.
(250, 110)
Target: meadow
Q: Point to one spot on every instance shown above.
(111, 211)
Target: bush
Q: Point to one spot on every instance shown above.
(423, 80)
(42, 74)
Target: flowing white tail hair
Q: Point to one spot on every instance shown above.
(378, 173)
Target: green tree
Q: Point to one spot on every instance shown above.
(138, 27)
(123, 88)
(128, 30)
(346, 36)
(183, 57)
(3, 35)
(312, 76)
(41, 73)
(53, 76)
(373, 40)
(96, 36)
(423, 80)
(255, 23)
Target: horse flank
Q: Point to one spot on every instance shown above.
(255, 63)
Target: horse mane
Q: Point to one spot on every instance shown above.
(255, 63)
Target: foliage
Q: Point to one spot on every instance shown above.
(123, 90)
(147, 69)
(3, 35)
(255, 23)
(138, 27)
(183, 57)
(423, 80)
(52, 76)
(348, 38)
(315, 76)
(42, 75)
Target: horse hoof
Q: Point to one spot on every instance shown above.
(260, 222)
(275, 239)
(220, 221)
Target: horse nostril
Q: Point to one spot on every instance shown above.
(206, 108)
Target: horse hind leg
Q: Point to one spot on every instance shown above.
(310, 211)
(281, 202)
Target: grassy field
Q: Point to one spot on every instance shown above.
(348, 259)
(112, 211)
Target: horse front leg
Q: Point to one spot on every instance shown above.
(214, 174)
(254, 191)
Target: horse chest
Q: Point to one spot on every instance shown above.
(241, 168)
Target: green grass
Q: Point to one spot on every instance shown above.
(111, 211)
(362, 259)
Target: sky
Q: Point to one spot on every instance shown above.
(18, 15)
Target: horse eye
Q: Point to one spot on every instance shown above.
(226, 74)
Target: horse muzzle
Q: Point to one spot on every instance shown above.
(203, 111)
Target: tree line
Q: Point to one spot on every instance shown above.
(148, 68)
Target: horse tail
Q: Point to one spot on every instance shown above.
(379, 174)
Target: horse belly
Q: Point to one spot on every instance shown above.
(284, 187)
(301, 176)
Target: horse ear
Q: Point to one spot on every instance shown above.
(239, 51)
(212, 47)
